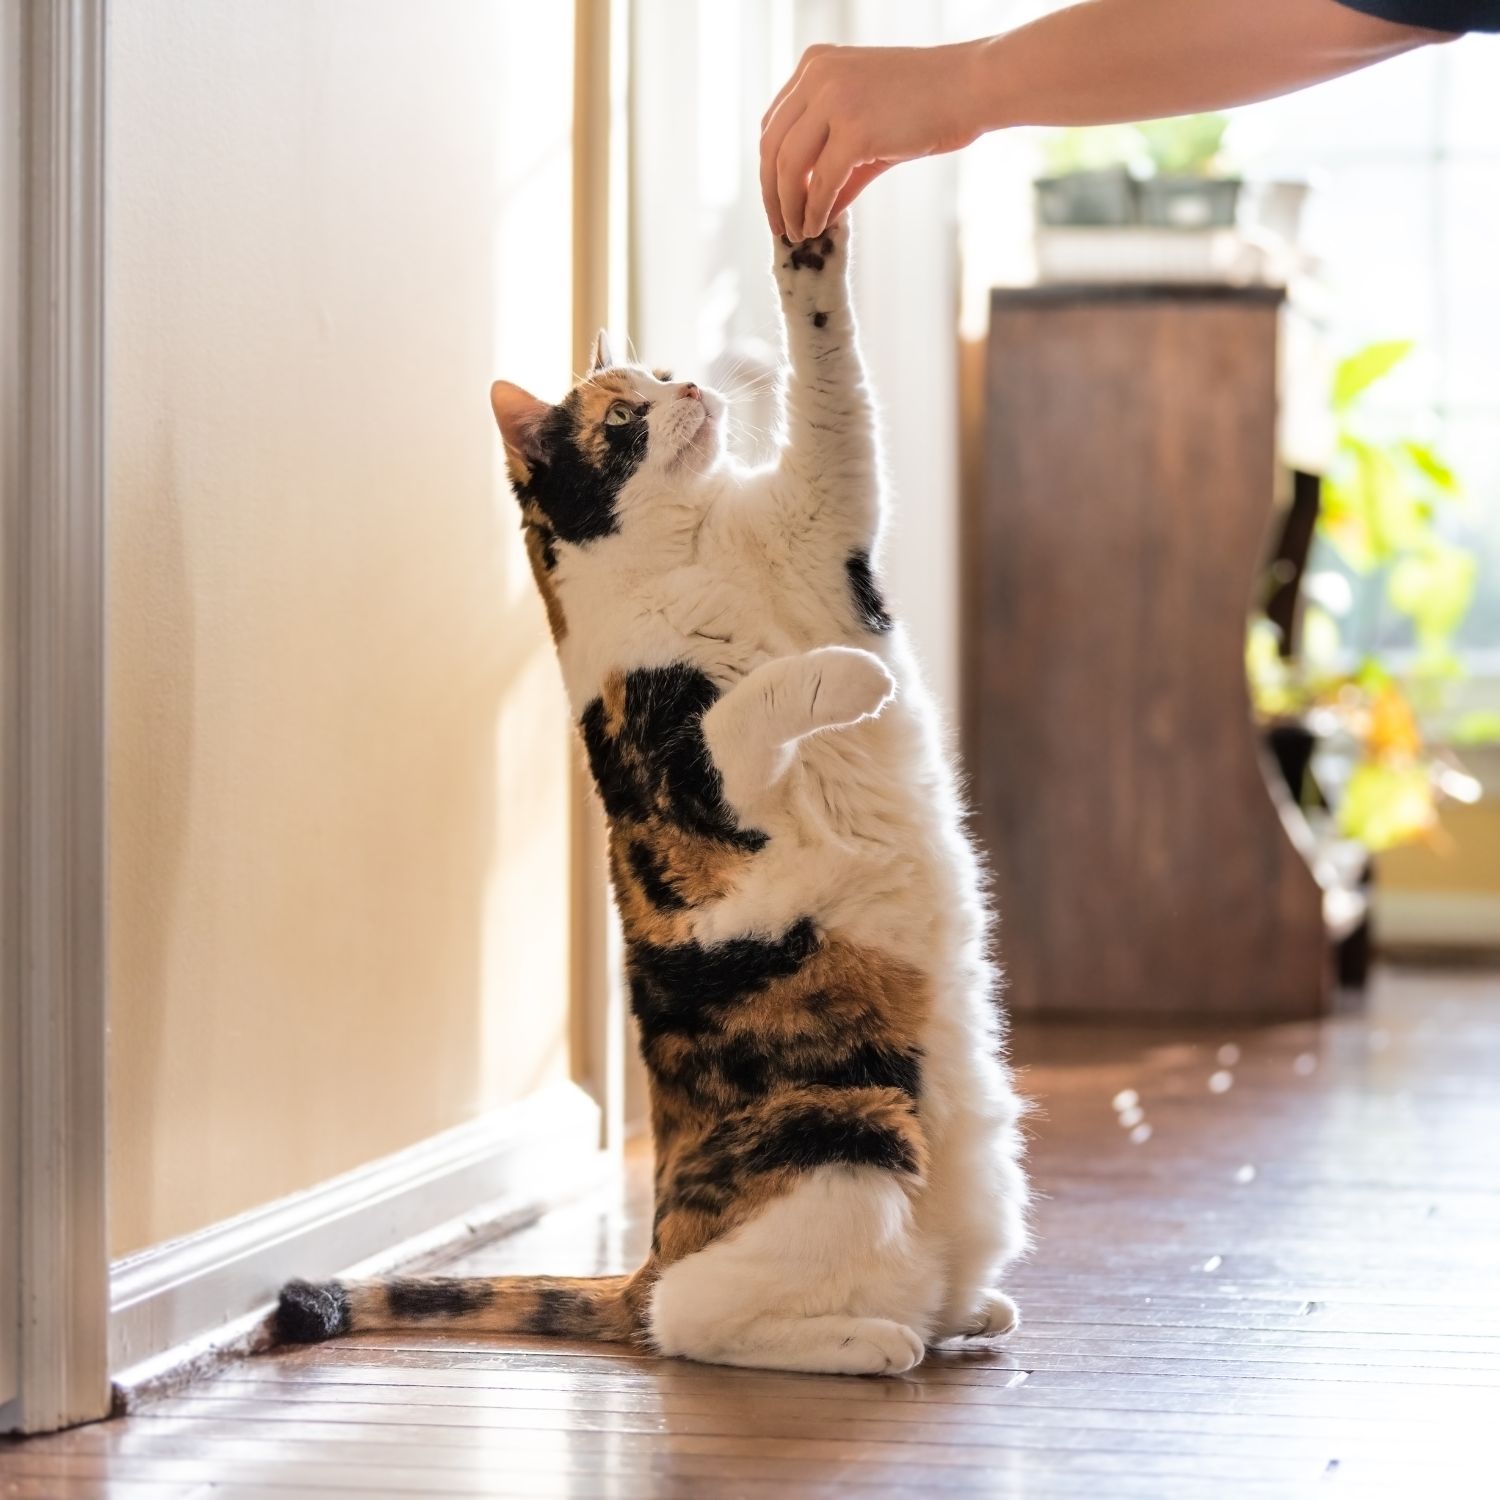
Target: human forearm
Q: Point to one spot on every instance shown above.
(849, 113)
(1106, 61)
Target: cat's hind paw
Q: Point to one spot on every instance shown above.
(995, 1316)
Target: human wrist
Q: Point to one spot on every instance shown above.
(992, 99)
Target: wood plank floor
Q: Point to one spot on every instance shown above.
(1268, 1263)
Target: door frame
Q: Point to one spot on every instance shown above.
(604, 1058)
(54, 722)
(53, 764)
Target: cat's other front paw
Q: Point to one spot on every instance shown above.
(845, 685)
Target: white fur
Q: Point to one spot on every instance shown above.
(743, 573)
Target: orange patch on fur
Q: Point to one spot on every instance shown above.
(612, 695)
(590, 401)
(556, 621)
(843, 997)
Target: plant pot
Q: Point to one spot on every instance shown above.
(1277, 207)
(1189, 202)
(1292, 744)
(1103, 197)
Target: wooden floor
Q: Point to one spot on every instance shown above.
(1267, 1263)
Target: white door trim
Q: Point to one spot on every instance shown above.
(603, 1058)
(182, 1304)
(58, 627)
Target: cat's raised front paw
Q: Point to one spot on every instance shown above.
(845, 685)
(813, 276)
(817, 253)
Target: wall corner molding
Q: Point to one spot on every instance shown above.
(58, 625)
(178, 1306)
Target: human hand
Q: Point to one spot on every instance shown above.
(848, 113)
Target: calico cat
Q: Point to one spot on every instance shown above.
(837, 1151)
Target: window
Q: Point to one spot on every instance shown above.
(1405, 218)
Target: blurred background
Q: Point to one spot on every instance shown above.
(355, 893)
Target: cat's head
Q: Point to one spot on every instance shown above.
(621, 442)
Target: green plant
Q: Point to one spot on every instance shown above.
(1089, 149)
(1186, 146)
(1381, 505)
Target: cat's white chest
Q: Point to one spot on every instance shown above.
(728, 621)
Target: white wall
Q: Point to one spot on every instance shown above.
(339, 809)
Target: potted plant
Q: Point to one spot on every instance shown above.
(1188, 187)
(1087, 180)
(1163, 173)
(1345, 712)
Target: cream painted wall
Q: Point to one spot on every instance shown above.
(338, 777)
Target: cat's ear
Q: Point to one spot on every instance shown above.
(603, 355)
(519, 414)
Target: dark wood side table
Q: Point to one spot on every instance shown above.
(1143, 870)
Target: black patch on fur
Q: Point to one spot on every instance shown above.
(680, 989)
(746, 1064)
(869, 603)
(648, 870)
(561, 1312)
(831, 1132)
(576, 495)
(659, 760)
(709, 1185)
(820, 320)
(817, 1135)
(308, 1313)
(436, 1297)
(811, 254)
(870, 1066)
(726, 1071)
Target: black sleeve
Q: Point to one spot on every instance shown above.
(1437, 15)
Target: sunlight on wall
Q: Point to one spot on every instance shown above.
(528, 893)
(338, 890)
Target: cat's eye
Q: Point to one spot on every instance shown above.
(618, 415)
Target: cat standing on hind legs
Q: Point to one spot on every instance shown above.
(837, 1152)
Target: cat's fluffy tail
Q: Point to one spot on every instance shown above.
(570, 1307)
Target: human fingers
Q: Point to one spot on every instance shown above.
(793, 79)
(787, 114)
(799, 151)
(834, 167)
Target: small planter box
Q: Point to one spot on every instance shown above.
(1087, 198)
(1188, 202)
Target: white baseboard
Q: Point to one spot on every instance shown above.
(1437, 919)
(173, 1304)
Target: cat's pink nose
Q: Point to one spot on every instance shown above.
(691, 392)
